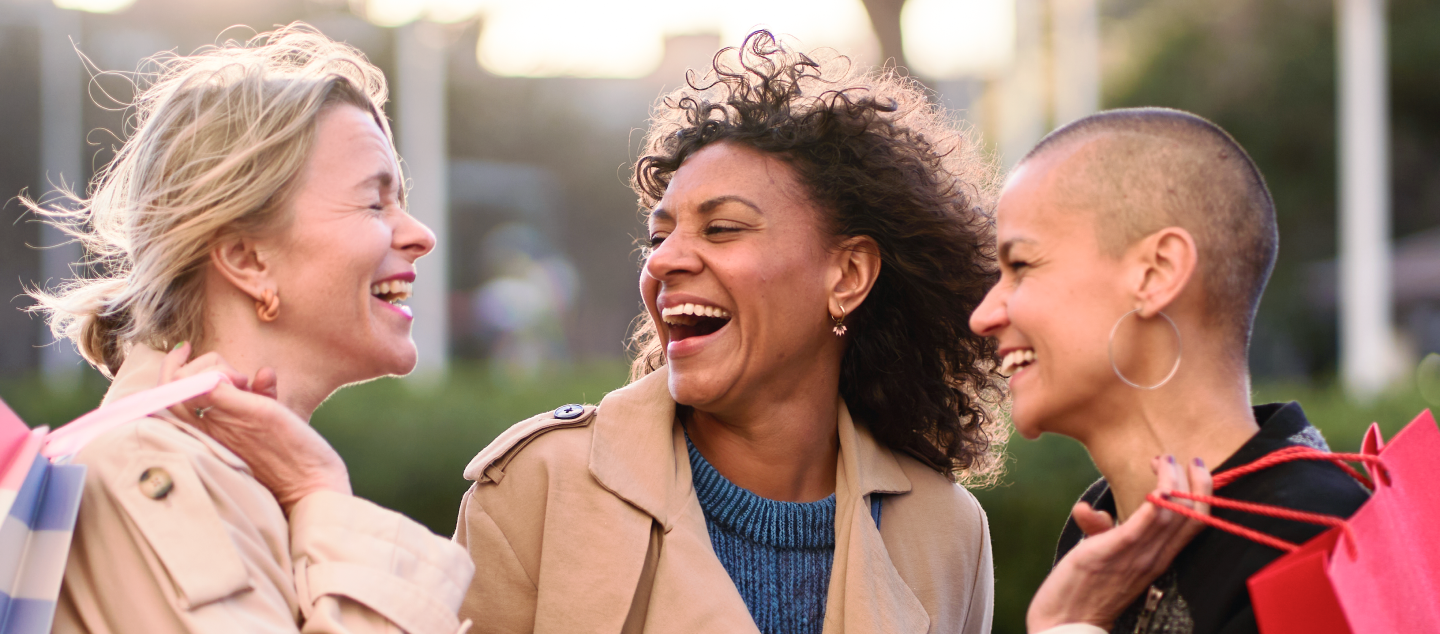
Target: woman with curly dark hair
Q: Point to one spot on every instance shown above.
(806, 391)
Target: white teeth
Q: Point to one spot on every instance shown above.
(1016, 359)
(400, 290)
(696, 310)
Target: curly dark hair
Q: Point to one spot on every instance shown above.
(887, 164)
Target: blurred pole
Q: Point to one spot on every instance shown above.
(1022, 114)
(62, 130)
(420, 92)
(1367, 344)
(1075, 61)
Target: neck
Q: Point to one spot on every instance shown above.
(1203, 413)
(782, 448)
(303, 381)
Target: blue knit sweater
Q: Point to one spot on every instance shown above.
(778, 553)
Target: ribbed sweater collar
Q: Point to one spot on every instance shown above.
(768, 522)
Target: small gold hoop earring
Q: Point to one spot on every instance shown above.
(267, 308)
(839, 328)
(1178, 350)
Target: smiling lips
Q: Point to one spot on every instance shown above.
(694, 320)
(1016, 359)
(394, 292)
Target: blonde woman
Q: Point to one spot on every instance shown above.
(257, 214)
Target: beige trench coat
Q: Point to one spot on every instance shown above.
(559, 523)
(216, 554)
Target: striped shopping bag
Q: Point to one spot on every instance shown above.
(40, 498)
(40, 501)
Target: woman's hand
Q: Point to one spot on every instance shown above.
(1108, 569)
(283, 451)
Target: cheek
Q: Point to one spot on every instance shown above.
(333, 265)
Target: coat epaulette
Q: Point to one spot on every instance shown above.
(489, 464)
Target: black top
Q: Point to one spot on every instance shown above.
(1204, 589)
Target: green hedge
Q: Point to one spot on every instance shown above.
(406, 446)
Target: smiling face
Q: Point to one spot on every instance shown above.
(737, 281)
(347, 257)
(1052, 310)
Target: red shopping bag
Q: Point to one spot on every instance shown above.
(1377, 572)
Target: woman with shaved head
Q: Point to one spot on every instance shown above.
(1133, 247)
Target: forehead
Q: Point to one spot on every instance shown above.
(727, 169)
(1034, 208)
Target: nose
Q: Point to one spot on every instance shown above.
(991, 315)
(413, 237)
(674, 257)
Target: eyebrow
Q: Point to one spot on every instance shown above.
(1009, 244)
(383, 178)
(661, 213)
(710, 205)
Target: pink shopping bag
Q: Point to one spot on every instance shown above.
(1377, 572)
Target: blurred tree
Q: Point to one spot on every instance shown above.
(1265, 71)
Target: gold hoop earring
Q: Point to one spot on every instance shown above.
(267, 308)
(1178, 350)
(839, 328)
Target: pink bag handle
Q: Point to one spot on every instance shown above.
(70, 438)
(1289, 454)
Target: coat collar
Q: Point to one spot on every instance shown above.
(141, 371)
(637, 453)
(636, 423)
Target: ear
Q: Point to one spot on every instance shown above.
(857, 265)
(241, 263)
(1168, 259)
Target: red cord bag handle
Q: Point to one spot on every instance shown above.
(1289, 454)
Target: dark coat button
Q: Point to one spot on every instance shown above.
(569, 412)
(156, 483)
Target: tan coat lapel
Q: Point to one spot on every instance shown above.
(867, 593)
(635, 427)
(639, 455)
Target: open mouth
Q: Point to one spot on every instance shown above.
(694, 320)
(1016, 359)
(393, 292)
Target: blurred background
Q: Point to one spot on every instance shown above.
(519, 121)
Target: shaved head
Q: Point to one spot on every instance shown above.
(1143, 169)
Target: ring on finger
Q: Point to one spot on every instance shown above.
(200, 411)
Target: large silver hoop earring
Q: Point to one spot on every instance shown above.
(1178, 350)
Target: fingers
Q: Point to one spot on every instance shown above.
(266, 383)
(1200, 483)
(1091, 521)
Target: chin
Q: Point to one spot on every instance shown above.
(686, 388)
(1025, 420)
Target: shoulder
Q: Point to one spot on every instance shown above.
(148, 437)
(1304, 485)
(536, 440)
(938, 538)
(937, 512)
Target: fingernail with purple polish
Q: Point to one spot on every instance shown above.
(1171, 459)
(1199, 463)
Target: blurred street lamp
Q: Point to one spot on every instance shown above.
(1075, 58)
(1022, 98)
(62, 99)
(1368, 355)
(419, 87)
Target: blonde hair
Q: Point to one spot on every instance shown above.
(219, 140)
